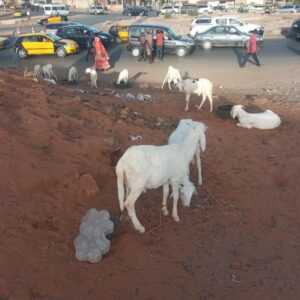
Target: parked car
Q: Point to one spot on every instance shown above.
(174, 43)
(4, 42)
(202, 24)
(120, 32)
(294, 31)
(96, 10)
(170, 10)
(41, 44)
(204, 9)
(81, 33)
(140, 11)
(55, 10)
(53, 27)
(287, 9)
(19, 12)
(52, 19)
(223, 36)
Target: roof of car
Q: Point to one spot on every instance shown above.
(61, 23)
(32, 34)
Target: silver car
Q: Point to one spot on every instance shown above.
(224, 36)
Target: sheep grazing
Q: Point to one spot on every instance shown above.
(123, 77)
(149, 167)
(182, 131)
(173, 76)
(73, 76)
(199, 87)
(37, 73)
(263, 120)
(93, 77)
(48, 73)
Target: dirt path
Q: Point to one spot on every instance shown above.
(239, 240)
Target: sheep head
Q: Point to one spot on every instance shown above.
(235, 110)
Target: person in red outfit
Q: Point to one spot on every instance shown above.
(251, 50)
(160, 40)
(101, 56)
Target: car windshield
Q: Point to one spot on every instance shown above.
(90, 28)
(54, 37)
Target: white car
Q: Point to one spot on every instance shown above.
(202, 24)
(169, 10)
(204, 9)
(96, 10)
(287, 9)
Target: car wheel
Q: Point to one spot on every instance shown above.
(206, 45)
(60, 52)
(135, 52)
(21, 52)
(180, 52)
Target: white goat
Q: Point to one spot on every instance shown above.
(73, 76)
(182, 131)
(123, 77)
(93, 77)
(48, 73)
(200, 87)
(173, 76)
(149, 167)
(263, 120)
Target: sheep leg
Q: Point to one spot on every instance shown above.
(187, 101)
(210, 102)
(163, 82)
(202, 102)
(198, 159)
(175, 203)
(130, 206)
(165, 198)
(169, 84)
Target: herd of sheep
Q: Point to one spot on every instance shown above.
(145, 167)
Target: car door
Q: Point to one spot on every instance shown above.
(38, 44)
(217, 36)
(234, 37)
(170, 42)
(81, 34)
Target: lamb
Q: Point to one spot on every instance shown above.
(263, 120)
(148, 167)
(93, 76)
(123, 77)
(181, 132)
(73, 76)
(173, 76)
(48, 73)
(200, 87)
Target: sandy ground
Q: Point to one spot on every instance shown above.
(239, 240)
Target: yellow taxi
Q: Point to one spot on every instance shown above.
(119, 31)
(53, 19)
(19, 13)
(44, 44)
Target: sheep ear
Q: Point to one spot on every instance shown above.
(202, 141)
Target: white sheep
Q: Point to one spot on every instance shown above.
(173, 76)
(148, 167)
(73, 76)
(37, 72)
(93, 77)
(262, 120)
(182, 131)
(48, 73)
(199, 87)
(123, 77)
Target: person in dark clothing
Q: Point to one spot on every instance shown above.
(251, 51)
(160, 39)
(89, 45)
(142, 47)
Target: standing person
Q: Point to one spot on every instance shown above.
(142, 46)
(251, 50)
(101, 56)
(149, 46)
(160, 40)
(89, 45)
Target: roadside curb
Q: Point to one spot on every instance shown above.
(18, 21)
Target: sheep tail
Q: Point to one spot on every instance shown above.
(120, 182)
